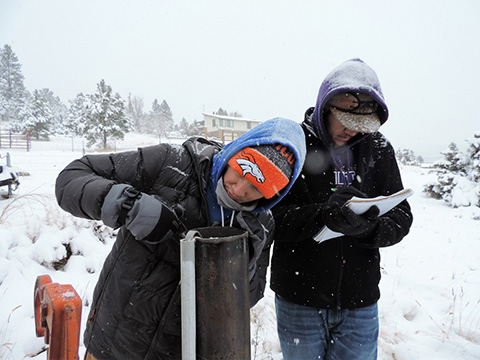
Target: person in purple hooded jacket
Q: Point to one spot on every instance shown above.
(327, 293)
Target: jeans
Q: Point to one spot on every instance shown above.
(308, 333)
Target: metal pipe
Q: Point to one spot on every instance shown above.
(187, 283)
(222, 294)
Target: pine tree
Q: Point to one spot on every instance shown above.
(194, 129)
(408, 157)
(46, 114)
(77, 115)
(135, 111)
(473, 153)
(41, 116)
(106, 116)
(184, 126)
(222, 112)
(453, 161)
(161, 118)
(236, 114)
(13, 94)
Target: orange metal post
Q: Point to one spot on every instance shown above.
(58, 313)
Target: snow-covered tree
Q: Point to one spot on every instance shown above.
(408, 157)
(473, 153)
(13, 94)
(106, 118)
(453, 161)
(46, 114)
(236, 114)
(183, 127)
(135, 111)
(221, 112)
(458, 180)
(77, 115)
(161, 118)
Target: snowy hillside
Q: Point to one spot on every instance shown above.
(430, 305)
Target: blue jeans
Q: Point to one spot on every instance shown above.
(308, 333)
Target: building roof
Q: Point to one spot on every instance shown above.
(231, 117)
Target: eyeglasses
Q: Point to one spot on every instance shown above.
(351, 103)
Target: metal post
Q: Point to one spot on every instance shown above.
(187, 273)
(9, 162)
(222, 294)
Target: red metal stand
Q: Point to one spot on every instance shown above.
(58, 313)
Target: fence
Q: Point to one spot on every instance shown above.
(11, 140)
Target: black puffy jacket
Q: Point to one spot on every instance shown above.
(135, 312)
(342, 272)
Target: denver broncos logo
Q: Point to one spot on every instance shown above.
(249, 166)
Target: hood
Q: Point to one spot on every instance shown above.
(274, 131)
(352, 76)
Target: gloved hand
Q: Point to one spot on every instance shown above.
(145, 216)
(168, 224)
(342, 219)
(257, 237)
(345, 193)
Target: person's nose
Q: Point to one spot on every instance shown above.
(240, 188)
(350, 132)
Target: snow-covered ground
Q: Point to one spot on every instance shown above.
(430, 305)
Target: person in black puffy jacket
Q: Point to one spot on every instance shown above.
(327, 293)
(154, 195)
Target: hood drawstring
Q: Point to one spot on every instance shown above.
(223, 217)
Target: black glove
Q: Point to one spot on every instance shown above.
(344, 220)
(345, 193)
(168, 224)
(146, 216)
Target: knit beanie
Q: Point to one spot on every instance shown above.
(267, 167)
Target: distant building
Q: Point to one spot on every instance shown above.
(225, 128)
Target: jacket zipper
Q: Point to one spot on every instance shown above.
(340, 277)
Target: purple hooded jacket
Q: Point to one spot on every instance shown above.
(341, 273)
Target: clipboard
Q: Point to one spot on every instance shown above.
(361, 205)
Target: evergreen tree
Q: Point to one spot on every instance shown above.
(135, 111)
(106, 116)
(473, 153)
(184, 128)
(456, 173)
(39, 118)
(453, 161)
(77, 115)
(13, 94)
(408, 157)
(47, 114)
(236, 114)
(194, 129)
(222, 112)
(161, 118)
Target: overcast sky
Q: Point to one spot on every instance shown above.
(262, 58)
